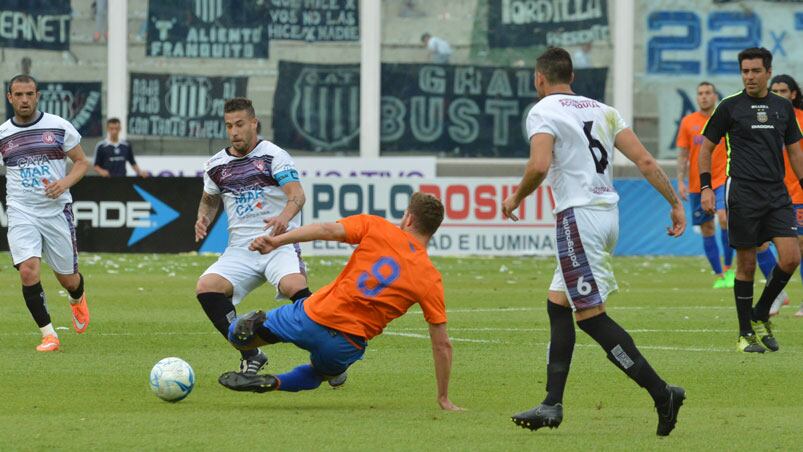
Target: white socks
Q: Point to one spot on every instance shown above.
(48, 330)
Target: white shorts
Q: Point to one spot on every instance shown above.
(586, 237)
(50, 238)
(246, 270)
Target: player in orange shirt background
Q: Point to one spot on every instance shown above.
(689, 141)
(786, 86)
(387, 273)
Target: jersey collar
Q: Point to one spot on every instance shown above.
(22, 126)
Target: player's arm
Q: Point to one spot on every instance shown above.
(707, 197)
(682, 170)
(140, 172)
(99, 169)
(207, 209)
(541, 146)
(295, 202)
(442, 355)
(796, 160)
(307, 233)
(628, 144)
(80, 165)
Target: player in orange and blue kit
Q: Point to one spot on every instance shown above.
(387, 273)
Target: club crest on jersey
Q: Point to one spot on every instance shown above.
(48, 138)
(259, 164)
(761, 116)
(326, 106)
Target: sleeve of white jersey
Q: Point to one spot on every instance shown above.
(538, 122)
(283, 167)
(619, 123)
(71, 136)
(209, 185)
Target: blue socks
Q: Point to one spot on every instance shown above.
(727, 251)
(766, 261)
(712, 253)
(302, 378)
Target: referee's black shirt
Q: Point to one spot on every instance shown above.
(756, 131)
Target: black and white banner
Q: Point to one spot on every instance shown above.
(460, 110)
(314, 21)
(207, 29)
(35, 24)
(178, 105)
(524, 23)
(77, 102)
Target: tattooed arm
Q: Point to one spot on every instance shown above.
(207, 209)
(295, 201)
(628, 143)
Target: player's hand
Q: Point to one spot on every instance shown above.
(678, 216)
(683, 190)
(509, 205)
(144, 174)
(447, 405)
(54, 189)
(201, 228)
(264, 244)
(708, 201)
(277, 225)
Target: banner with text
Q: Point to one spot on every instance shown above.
(318, 21)
(460, 110)
(346, 167)
(180, 105)
(207, 29)
(77, 102)
(555, 23)
(35, 24)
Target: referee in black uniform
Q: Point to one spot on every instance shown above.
(756, 124)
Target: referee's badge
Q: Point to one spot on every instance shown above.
(761, 115)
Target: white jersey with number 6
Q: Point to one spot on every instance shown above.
(584, 130)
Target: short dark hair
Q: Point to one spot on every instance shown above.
(427, 212)
(113, 121)
(793, 86)
(755, 53)
(707, 83)
(239, 104)
(425, 36)
(556, 65)
(22, 78)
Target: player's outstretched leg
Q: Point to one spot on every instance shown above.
(220, 310)
(561, 346)
(622, 352)
(302, 378)
(238, 381)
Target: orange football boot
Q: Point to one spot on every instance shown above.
(50, 343)
(80, 315)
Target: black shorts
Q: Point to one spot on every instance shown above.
(758, 212)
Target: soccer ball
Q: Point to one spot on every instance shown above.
(172, 379)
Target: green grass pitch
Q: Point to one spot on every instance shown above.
(93, 395)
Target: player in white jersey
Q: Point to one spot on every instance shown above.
(260, 189)
(572, 139)
(34, 147)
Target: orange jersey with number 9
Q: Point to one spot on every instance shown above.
(689, 138)
(387, 273)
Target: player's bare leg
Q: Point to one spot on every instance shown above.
(214, 293)
(294, 286)
(74, 285)
(34, 296)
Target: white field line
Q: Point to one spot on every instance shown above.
(539, 330)
(613, 308)
(453, 339)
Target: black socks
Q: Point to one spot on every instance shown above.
(303, 293)
(220, 310)
(561, 346)
(623, 353)
(35, 300)
(743, 291)
(777, 281)
(79, 291)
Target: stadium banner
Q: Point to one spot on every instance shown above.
(207, 29)
(686, 42)
(462, 110)
(35, 24)
(178, 105)
(555, 23)
(318, 21)
(157, 215)
(77, 102)
(346, 167)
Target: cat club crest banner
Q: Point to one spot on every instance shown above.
(461, 110)
(207, 29)
(35, 24)
(558, 23)
(77, 102)
(178, 105)
(316, 21)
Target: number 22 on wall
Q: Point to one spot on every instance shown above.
(691, 23)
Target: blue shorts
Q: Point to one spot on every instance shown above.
(698, 215)
(331, 351)
(799, 217)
